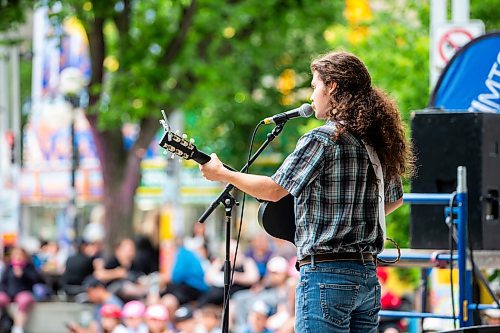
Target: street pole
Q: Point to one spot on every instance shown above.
(71, 84)
(74, 101)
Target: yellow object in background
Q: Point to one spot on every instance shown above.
(357, 11)
(167, 240)
(443, 276)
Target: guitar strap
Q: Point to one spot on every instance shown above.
(377, 167)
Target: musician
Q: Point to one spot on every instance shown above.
(330, 174)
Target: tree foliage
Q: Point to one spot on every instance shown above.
(209, 57)
(13, 13)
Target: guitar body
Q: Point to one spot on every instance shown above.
(278, 218)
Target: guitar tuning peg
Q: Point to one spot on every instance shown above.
(165, 152)
(177, 132)
(172, 156)
(191, 140)
(184, 136)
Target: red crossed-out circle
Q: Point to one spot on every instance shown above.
(446, 39)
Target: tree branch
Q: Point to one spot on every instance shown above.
(122, 20)
(95, 35)
(149, 126)
(173, 48)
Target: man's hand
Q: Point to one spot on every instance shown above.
(214, 170)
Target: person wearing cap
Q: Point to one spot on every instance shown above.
(184, 320)
(157, 319)
(111, 319)
(98, 295)
(78, 267)
(133, 317)
(257, 319)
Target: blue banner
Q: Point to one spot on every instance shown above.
(471, 80)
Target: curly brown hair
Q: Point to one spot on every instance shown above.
(365, 111)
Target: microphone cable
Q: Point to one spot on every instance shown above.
(450, 244)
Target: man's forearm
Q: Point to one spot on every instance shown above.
(260, 187)
(392, 206)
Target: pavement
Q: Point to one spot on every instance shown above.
(51, 317)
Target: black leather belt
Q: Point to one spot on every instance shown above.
(338, 256)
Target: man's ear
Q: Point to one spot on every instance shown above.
(331, 87)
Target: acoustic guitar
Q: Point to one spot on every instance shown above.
(276, 218)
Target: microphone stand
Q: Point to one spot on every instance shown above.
(226, 199)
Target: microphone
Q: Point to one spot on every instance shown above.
(305, 110)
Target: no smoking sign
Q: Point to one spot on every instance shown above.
(449, 38)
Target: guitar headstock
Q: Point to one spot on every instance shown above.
(175, 143)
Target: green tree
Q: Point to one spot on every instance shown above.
(13, 13)
(207, 56)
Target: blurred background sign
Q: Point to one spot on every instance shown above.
(471, 80)
(450, 37)
(447, 37)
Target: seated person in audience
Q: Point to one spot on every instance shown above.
(257, 319)
(273, 291)
(119, 272)
(51, 260)
(46, 258)
(157, 319)
(260, 251)
(133, 317)
(78, 267)
(246, 274)
(111, 319)
(210, 319)
(184, 321)
(16, 285)
(147, 256)
(98, 295)
(185, 282)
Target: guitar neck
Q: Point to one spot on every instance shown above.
(202, 158)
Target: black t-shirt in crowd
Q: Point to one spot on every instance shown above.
(78, 267)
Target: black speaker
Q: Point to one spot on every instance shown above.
(442, 142)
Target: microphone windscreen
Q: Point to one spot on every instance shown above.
(306, 110)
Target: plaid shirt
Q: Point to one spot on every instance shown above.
(336, 194)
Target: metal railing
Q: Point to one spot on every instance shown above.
(458, 200)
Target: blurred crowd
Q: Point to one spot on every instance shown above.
(131, 294)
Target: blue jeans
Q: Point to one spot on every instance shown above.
(337, 296)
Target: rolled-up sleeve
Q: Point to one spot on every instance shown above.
(302, 166)
(393, 189)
